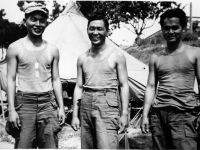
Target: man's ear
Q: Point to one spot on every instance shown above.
(24, 21)
(108, 33)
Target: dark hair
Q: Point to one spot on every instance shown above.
(43, 14)
(99, 17)
(176, 12)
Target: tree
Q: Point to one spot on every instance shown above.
(2, 14)
(196, 28)
(195, 25)
(134, 13)
(57, 9)
(3, 28)
(9, 31)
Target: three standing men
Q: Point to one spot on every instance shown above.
(175, 107)
(100, 71)
(33, 114)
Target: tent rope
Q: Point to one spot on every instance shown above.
(2, 105)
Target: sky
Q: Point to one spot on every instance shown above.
(121, 36)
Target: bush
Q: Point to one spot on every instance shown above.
(193, 43)
(157, 39)
(187, 36)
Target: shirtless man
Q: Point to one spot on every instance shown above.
(100, 71)
(174, 108)
(34, 114)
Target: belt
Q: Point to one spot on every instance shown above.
(34, 94)
(99, 90)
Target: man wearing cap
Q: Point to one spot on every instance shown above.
(37, 109)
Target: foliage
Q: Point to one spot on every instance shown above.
(144, 52)
(157, 39)
(57, 8)
(2, 13)
(146, 47)
(195, 43)
(187, 36)
(10, 32)
(134, 13)
(21, 3)
(56, 11)
(195, 27)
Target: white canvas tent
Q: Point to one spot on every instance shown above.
(3, 85)
(69, 33)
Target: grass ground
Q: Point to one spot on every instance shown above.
(143, 53)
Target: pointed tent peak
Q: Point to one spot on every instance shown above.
(72, 8)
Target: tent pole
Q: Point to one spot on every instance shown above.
(2, 105)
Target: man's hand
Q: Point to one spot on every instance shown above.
(145, 125)
(61, 116)
(75, 123)
(123, 123)
(197, 122)
(14, 119)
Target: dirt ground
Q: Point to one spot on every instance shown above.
(69, 139)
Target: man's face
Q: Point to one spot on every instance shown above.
(36, 23)
(172, 30)
(97, 32)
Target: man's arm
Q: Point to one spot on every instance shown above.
(149, 93)
(124, 88)
(11, 82)
(197, 122)
(77, 95)
(57, 86)
(198, 70)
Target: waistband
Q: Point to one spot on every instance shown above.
(99, 90)
(37, 94)
(175, 109)
(34, 98)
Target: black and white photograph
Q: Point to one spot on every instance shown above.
(78, 74)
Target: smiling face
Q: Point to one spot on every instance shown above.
(36, 23)
(97, 32)
(172, 30)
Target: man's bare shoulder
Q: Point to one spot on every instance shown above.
(82, 57)
(193, 53)
(52, 48)
(15, 47)
(154, 58)
(117, 55)
(193, 49)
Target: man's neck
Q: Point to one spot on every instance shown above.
(97, 49)
(36, 41)
(174, 48)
